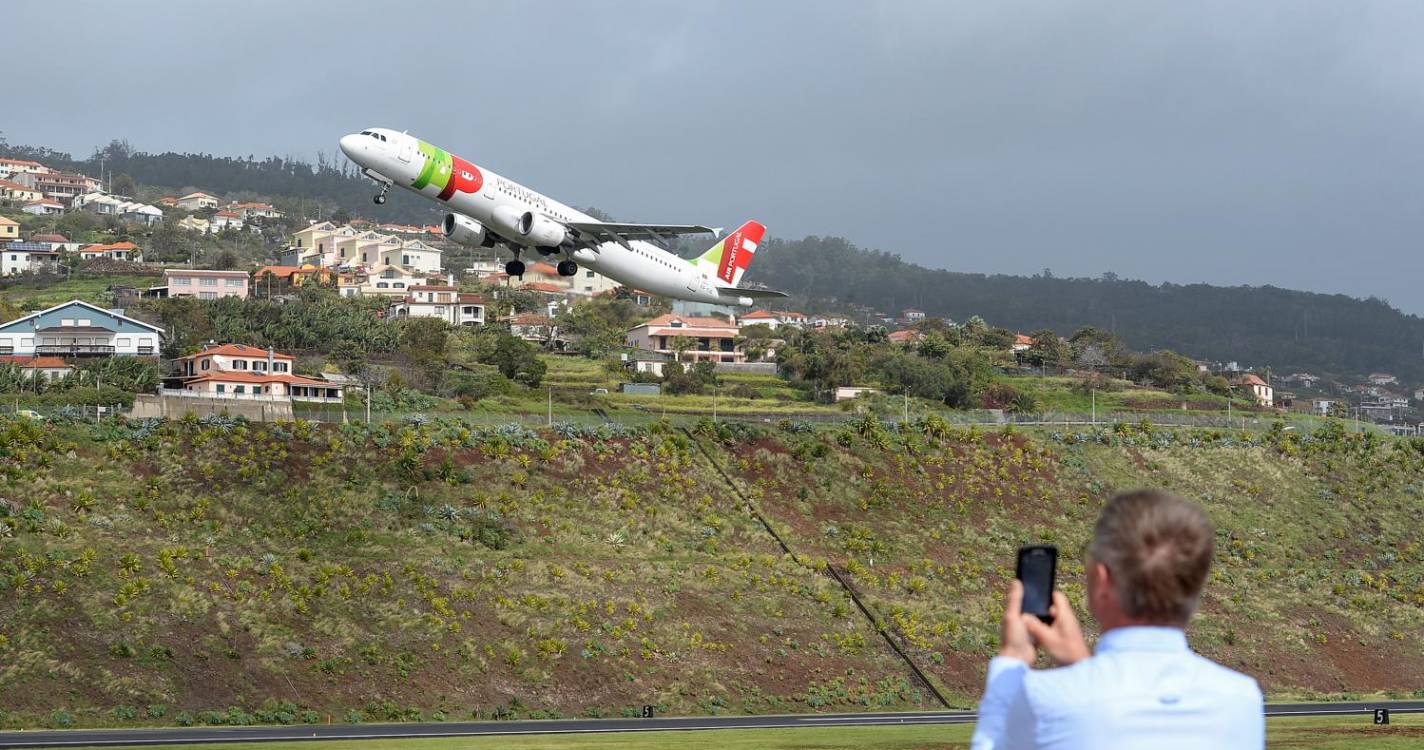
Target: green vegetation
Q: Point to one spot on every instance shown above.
(237, 573)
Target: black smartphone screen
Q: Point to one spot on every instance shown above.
(1037, 566)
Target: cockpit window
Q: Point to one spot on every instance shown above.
(365, 132)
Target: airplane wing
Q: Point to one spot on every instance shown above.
(608, 231)
(754, 293)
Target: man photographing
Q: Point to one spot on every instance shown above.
(1143, 687)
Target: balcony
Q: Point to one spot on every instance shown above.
(75, 350)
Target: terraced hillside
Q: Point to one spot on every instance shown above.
(228, 573)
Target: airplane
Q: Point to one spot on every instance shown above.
(487, 210)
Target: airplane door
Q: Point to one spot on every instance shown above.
(407, 146)
(694, 279)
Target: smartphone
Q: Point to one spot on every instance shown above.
(1037, 566)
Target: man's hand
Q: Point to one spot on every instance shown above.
(1063, 640)
(1016, 641)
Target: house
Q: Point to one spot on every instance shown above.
(240, 371)
(762, 317)
(252, 210)
(830, 321)
(848, 392)
(225, 220)
(1321, 406)
(57, 242)
(316, 244)
(532, 327)
(14, 193)
(444, 302)
(46, 368)
(293, 275)
(44, 207)
(196, 202)
(79, 329)
(644, 361)
(168, 201)
(1022, 343)
(9, 230)
(58, 185)
(24, 257)
(102, 203)
(911, 315)
(205, 284)
(690, 338)
(116, 251)
(195, 224)
(1419, 394)
(1382, 378)
(391, 281)
(906, 336)
(1257, 389)
(11, 167)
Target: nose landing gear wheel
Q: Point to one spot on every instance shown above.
(567, 268)
(514, 268)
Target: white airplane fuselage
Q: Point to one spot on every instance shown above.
(497, 202)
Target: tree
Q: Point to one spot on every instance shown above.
(122, 184)
(679, 345)
(1047, 350)
(518, 361)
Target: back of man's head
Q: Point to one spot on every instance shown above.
(1158, 548)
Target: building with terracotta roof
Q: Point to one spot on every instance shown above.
(532, 327)
(226, 220)
(242, 371)
(115, 251)
(255, 210)
(1257, 389)
(293, 275)
(16, 194)
(44, 207)
(205, 284)
(12, 167)
(1022, 342)
(58, 185)
(45, 368)
(196, 202)
(440, 301)
(707, 338)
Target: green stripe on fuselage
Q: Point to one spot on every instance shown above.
(436, 169)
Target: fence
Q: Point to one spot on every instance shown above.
(87, 412)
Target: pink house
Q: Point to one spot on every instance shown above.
(203, 284)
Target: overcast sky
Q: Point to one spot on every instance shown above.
(1226, 142)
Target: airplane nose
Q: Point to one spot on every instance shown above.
(351, 145)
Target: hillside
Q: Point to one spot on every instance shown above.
(226, 573)
(1288, 330)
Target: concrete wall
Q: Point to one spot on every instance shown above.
(175, 407)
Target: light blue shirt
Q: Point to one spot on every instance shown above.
(1142, 688)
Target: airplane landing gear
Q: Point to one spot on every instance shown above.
(567, 268)
(515, 268)
(380, 198)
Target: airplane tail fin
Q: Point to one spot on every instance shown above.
(727, 260)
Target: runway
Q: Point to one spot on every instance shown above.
(195, 735)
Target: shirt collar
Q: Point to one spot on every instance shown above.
(1142, 638)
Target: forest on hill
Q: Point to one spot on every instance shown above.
(1257, 326)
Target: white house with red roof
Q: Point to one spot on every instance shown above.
(196, 202)
(43, 207)
(1257, 388)
(115, 251)
(251, 372)
(707, 338)
(445, 302)
(12, 167)
(225, 220)
(45, 368)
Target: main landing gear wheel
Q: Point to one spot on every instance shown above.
(380, 198)
(515, 268)
(567, 268)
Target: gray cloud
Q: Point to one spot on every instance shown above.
(1268, 142)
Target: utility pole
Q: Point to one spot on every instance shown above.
(551, 407)
(1094, 393)
(906, 418)
(368, 403)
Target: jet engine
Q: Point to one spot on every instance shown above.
(541, 231)
(466, 231)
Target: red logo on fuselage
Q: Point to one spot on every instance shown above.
(464, 178)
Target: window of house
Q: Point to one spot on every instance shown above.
(259, 365)
(123, 342)
(66, 321)
(205, 364)
(279, 367)
(240, 389)
(207, 281)
(239, 364)
(234, 282)
(222, 388)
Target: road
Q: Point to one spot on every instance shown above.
(191, 735)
